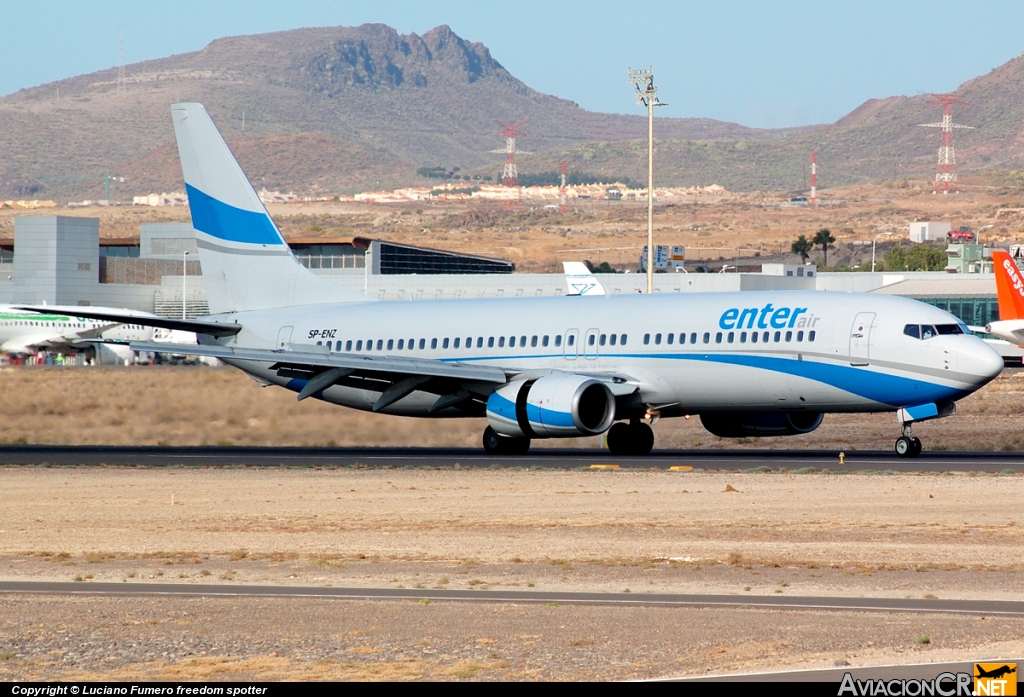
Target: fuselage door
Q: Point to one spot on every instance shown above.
(571, 345)
(590, 343)
(284, 337)
(860, 338)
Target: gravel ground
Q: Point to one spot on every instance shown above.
(948, 536)
(82, 638)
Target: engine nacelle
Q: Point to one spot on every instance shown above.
(554, 406)
(763, 424)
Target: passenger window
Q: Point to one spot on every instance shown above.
(423, 343)
(613, 338)
(433, 343)
(401, 344)
(647, 339)
(501, 342)
(912, 330)
(810, 336)
(544, 341)
(682, 338)
(765, 337)
(778, 337)
(412, 344)
(753, 337)
(604, 339)
(669, 338)
(799, 336)
(693, 337)
(444, 344)
(707, 337)
(657, 339)
(572, 339)
(479, 342)
(522, 341)
(512, 342)
(590, 339)
(490, 342)
(457, 340)
(380, 344)
(718, 338)
(622, 342)
(348, 345)
(789, 336)
(469, 342)
(558, 340)
(391, 344)
(743, 337)
(319, 343)
(359, 345)
(732, 335)
(533, 341)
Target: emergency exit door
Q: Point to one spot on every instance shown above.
(860, 338)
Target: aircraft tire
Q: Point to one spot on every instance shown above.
(619, 440)
(504, 445)
(642, 438)
(916, 442)
(904, 447)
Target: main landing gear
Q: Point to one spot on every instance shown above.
(504, 445)
(634, 438)
(908, 445)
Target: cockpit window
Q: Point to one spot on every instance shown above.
(928, 331)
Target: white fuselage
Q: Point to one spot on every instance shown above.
(689, 353)
(27, 332)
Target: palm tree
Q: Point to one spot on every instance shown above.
(824, 238)
(801, 247)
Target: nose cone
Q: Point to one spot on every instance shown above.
(978, 363)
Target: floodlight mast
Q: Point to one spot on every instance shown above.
(647, 95)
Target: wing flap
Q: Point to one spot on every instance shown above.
(389, 365)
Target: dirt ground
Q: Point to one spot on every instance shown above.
(170, 405)
(747, 228)
(919, 536)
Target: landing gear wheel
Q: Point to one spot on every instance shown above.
(905, 447)
(504, 445)
(635, 438)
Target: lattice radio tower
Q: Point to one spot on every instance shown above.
(120, 70)
(945, 170)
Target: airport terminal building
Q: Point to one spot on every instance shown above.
(62, 260)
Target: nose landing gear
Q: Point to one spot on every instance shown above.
(908, 445)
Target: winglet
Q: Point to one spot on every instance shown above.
(1009, 286)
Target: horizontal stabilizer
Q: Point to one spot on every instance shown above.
(143, 318)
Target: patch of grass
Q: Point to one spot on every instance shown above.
(424, 601)
(757, 470)
(79, 578)
(1007, 472)
(7, 656)
(922, 640)
(746, 588)
(806, 470)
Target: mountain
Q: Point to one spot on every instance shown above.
(346, 108)
(309, 109)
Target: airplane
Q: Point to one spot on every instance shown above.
(748, 363)
(1010, 293)
(580, 279)
(28, 332)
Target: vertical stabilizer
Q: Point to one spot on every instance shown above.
(1009, 286)
(246, 263)
(580, 279)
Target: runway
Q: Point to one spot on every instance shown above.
(724, 460)
(989, 608)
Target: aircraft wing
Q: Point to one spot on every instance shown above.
(138, 317)
(1011, 330)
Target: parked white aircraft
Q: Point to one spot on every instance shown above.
(580, 279)
(57, 330)
(749, 363)
(1010, 293)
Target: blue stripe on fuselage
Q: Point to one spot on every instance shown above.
(228, 223)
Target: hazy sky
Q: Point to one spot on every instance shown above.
(769, 64)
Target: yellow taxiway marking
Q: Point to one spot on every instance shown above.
(604, 467)
(680, 468)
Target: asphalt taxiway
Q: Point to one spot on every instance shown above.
(724, 460)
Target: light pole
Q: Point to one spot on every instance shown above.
(648, 96)
(184, 278)
(977, 237)
(881, 234)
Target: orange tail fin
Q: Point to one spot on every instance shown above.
(1009, 286)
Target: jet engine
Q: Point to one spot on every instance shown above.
(756, 424)
(554, 406)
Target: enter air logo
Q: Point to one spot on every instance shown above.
(766, 317)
